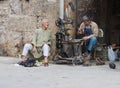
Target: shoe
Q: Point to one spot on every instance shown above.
(99, 61)
(86, 54)
(46, 64)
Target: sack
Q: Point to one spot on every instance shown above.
(111, 54)
(112, 65)
(30, 62)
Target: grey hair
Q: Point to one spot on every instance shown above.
(44, 20)
(85, 18)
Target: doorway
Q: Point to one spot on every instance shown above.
(113, 22)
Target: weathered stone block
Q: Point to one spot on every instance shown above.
(21, 23)
(4, 11)
(15, 6)
(13, 38)
(2, 35)
(27, 37)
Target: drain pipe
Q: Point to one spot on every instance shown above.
(61, 9)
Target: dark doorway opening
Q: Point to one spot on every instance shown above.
(113, 21)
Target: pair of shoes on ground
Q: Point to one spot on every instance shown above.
(99, 61)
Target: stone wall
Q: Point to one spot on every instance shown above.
(19, 19)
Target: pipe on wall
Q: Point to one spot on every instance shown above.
(61, 9)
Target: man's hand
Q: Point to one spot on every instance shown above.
(85, 38)
(79, 32)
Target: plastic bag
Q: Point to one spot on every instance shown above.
(111, 54)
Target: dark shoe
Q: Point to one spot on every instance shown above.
(99, 61)
(112, 65)
(103, 63)
(86, 54)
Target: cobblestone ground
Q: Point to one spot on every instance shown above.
(58, 76)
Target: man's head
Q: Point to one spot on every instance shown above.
(45, 23)
(86, 20)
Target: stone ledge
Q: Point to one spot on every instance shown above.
(8, 60)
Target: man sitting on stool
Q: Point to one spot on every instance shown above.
(89, 29)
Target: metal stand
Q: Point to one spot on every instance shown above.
(77, 58)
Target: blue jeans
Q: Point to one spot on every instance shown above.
(90, 45)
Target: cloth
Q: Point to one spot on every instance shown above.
(91, 43)
(26, 49)
(40, 37)
(92, 32)
(87, 31)
(94, 27)
(44, 50)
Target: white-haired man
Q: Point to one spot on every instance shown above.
(40, 45)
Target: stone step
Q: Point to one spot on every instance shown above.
(8, 60)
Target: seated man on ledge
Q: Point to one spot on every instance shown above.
(89, 29)
(40, 44)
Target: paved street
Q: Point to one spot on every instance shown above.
(57, 76)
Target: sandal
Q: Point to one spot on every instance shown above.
(99, 61)
(46, 64)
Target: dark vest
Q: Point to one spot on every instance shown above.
(88, 30)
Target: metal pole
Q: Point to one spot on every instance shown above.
(61, 9)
